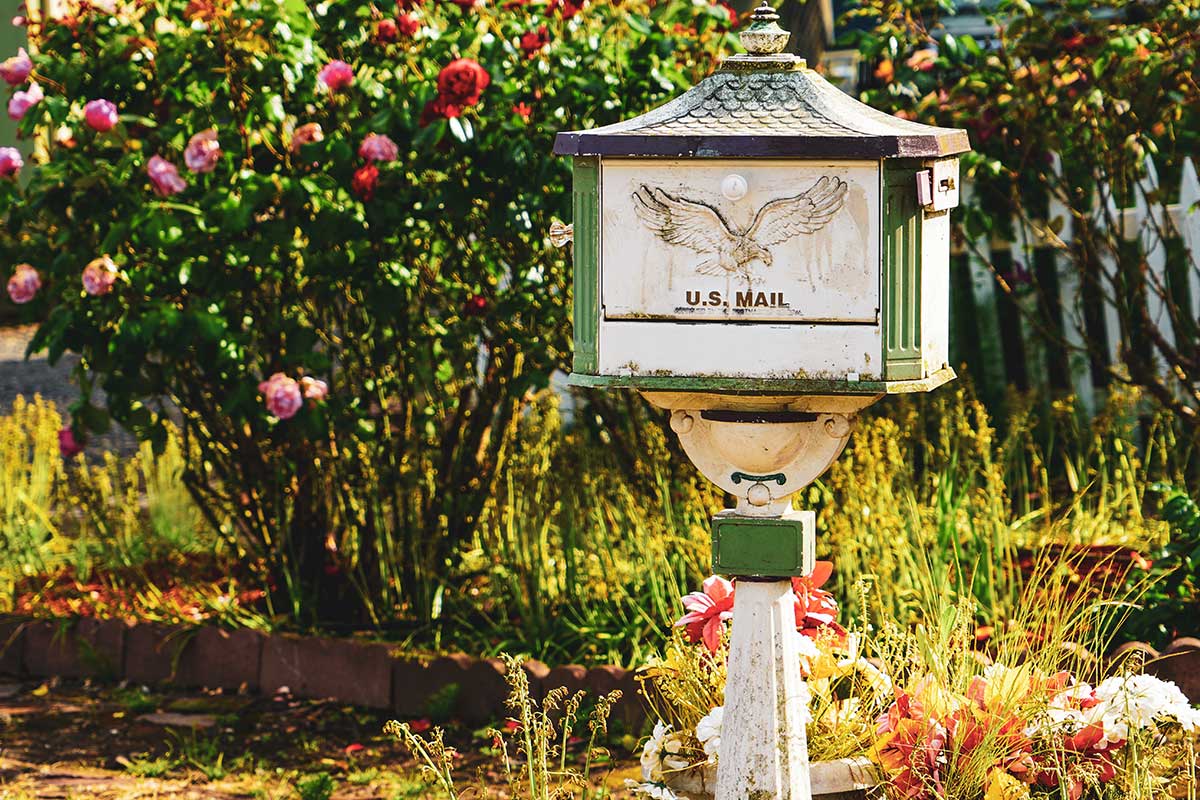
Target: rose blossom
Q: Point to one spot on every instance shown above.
(409, 24)
(387, 31)
(307, 133)
(533, 41)
(365, 179)
(282, 395)
(67, 444)
(165, 177)
(23, 100)
(99, 276)
(23, 284)
(336, 75)
(15, 69)
(378, 147)
(100, 115)
(10, 162)
(462, 81)
(314, 389)
(203, 151)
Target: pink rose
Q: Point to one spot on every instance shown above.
(165, 177)
(307, 133)
(24, 284)
(282, 395)
(23, 100)
(10, 162)
(67, 444)
(16, 69)
(99, 276)
(314, 389)
(336, 75)
(378, 147)
(203, 151)
(100, 115)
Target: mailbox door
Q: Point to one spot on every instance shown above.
(746, 241)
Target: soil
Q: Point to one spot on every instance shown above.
(72, 740)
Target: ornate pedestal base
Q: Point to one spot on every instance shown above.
(764, 752)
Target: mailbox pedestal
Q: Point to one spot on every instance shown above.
(764, 749)
(763, 257)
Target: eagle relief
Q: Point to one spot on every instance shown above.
(730, 250)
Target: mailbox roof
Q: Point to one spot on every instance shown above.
(744, 110)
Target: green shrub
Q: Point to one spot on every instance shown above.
(394, 301)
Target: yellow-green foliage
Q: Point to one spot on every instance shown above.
(929, 495)
(112, 511)
(30, 469)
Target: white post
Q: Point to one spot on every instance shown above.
(1188, 225)
(764, 749)
(1151, 222)
(1070, 299)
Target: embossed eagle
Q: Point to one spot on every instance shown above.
(731, 249)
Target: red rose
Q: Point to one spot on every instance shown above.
(387, 31)
(409, 24)
(364, 182)
(533, 41)
(461, 82)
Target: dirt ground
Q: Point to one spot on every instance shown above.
(73, 740)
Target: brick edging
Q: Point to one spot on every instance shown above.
(359, 673)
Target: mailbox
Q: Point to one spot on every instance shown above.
(763, 232)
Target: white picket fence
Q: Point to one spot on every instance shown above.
(1145, 222)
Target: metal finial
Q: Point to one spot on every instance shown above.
(764, 37)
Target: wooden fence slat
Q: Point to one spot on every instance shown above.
(1187, 222)
(1107, 210)
(1151, 225)
(1070, 300)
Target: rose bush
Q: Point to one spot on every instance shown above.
(345, 203)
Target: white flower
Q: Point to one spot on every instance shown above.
(651, 753)
(708, 731)
(656, 791)
(807, 647)
(1138, 702)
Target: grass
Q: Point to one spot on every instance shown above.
(587, 542)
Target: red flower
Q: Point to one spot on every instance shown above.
(533, 41)
(407, 5)
(523, 110)
(566, 8)
(364, 181)
(351, 749)
(420, 725)
(465, 5)
(707, 612)
(462, 81)
(815, 607)
(409, 24)
(387, 31)
(475, 306)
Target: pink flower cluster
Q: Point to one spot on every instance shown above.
(284, 396)
(23, 100)
(335, 76)
(203, 151)
(709, 609)
(10, 162)
(100, 115)
(164, 177)
(24, 284)
(99, 276)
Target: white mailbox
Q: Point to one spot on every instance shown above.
(763, 232)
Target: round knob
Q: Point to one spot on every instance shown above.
(764, 37)
(758, 495)
(734, 187)
(682, 422)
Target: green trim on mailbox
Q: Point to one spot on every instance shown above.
(902, 219)
(586, 195)
(769, 547)
(762, 386)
